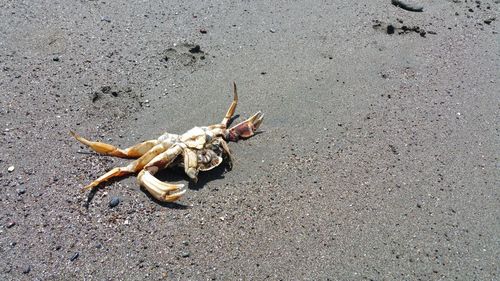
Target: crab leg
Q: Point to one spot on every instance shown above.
(232, 107)
(191, 164)
(246, 128)
(226, 149)
(103, 148)
(133, 167)
(162, 191)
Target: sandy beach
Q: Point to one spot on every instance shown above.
(378, 158)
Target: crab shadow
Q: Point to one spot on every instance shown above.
(173, 175)
(177, 174)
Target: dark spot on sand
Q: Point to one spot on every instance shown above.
(196, 49)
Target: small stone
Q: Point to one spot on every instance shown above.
(10, 224)
(203, 31)
(185, 242)
(114, 201)
(55, 59)
(21, 190)
(26, 269)
(390, 29)
(488, 21)
(11, 169)
(272, 30)
(185, 254)
(74, 256)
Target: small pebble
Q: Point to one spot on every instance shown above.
(203, 31)
(114, 202)
(185, 242)
(11, 169)
(74, 256)
(390, 29)
(185, 254)
(55, 59)
(11, 224)
(21, 190)
(26, 269)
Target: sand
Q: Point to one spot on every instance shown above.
(377, 158)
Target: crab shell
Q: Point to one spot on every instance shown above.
(203, 150)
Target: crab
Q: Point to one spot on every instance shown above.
(199, 149)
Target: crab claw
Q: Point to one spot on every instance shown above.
(246, 128)
(163, 191)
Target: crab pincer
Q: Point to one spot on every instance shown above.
(162, 191)
(246, 128)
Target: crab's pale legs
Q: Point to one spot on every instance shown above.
(232, 107)
(133, 167)
(162, 191)
(103, 148)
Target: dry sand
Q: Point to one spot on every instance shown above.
(378, 157)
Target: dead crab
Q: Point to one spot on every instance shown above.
(202, 149)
